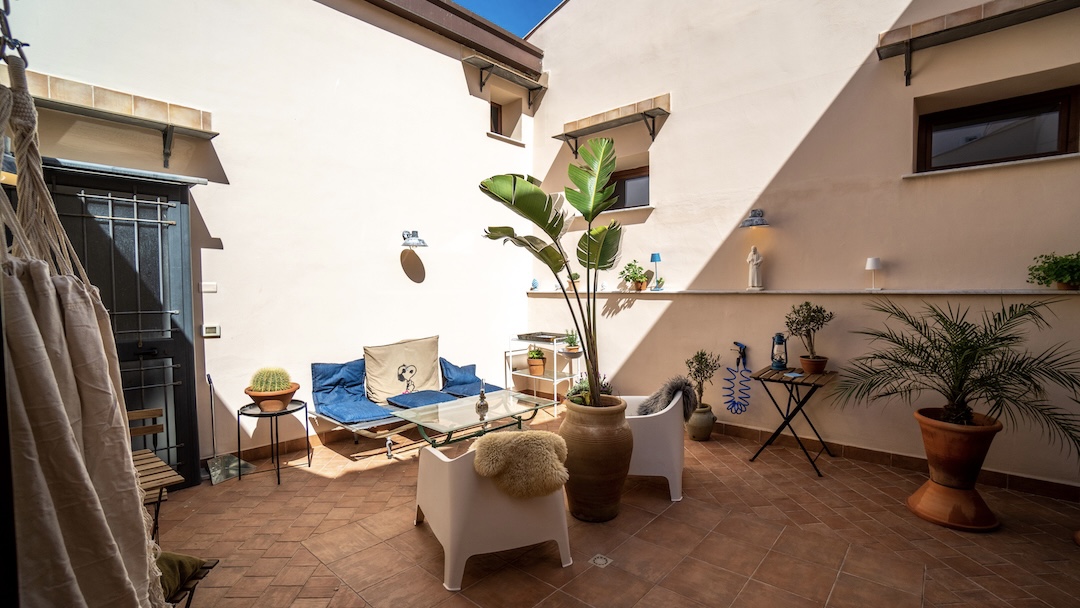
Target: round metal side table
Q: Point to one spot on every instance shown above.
(252, 410)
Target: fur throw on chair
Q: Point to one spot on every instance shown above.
(523, 464)
(661, 398)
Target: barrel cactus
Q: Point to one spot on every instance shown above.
(270, 379)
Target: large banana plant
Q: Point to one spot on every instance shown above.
(597, 249)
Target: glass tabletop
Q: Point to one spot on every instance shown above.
(451, 416)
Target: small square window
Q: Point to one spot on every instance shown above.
(1032, 126)
(632, 188)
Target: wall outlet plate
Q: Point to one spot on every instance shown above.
(211, 331)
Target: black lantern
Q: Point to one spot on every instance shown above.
(779, 352)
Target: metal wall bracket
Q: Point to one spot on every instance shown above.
(907, 63)
(166, 144)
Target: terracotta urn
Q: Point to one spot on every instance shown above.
(599, 444)
(955, 454)
(700, 425)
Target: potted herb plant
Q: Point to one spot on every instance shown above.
(271, 388)
(1053, 269)
(537, 360)
(701, 368)
(967, 363)
(805, 320)
(599, 441)
(634, 275)
(573, 282)
(571, 343)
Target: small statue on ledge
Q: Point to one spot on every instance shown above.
(754, 260)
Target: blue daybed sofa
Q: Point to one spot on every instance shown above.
(341, 399)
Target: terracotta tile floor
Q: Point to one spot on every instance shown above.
(768, 533)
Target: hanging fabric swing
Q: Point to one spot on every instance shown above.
(82, 533)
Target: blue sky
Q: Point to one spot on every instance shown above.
(517, 16)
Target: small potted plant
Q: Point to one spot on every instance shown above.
(1053, 269)
(658, 284)
(536, 360)
(804, 321)
(634, 275)
(271, 388)
(571, 343)
(701, 367)
(577, 391)
(573, 282)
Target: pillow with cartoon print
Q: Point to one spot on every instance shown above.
(402, 367)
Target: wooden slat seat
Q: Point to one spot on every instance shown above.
(154, 473)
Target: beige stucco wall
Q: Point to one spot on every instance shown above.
(337, 132)
(784, 107)
(341, 126)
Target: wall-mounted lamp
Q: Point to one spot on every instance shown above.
(655, 259)
(873, 265)
(757, 218)
(412, 239)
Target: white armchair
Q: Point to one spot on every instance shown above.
(470, 516)
(658, 442)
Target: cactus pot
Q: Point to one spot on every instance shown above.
(272, 401)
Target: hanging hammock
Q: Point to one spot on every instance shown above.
(82, 533)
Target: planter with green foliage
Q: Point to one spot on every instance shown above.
(967, 363)
(1053, 269)
(634, 275)
(701, 368)
(598, 452)
(805, 320)
(271, 388)
(536, 360)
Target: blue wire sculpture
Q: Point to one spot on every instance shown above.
(737, 403)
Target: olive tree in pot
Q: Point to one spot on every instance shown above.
(804, 321)
(599, 441)
(968, 363)
(701, 368)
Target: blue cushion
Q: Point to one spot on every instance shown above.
(418, 398)
(452, 374)
(470, 389)
(332, 382)
(354, 411)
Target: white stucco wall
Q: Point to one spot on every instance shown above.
(337, 132)
(342, 125)
(784, 106)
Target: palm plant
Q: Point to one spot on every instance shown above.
(597, 249)
(968, 363)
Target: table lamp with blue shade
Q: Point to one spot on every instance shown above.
(657, 284)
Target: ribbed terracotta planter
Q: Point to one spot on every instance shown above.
(955, 455)
(272, 401)
(599, 444)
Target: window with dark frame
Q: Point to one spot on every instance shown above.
(632, 188)
(496, 119)
(1031, 126)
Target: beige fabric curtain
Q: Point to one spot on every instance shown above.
(82, 532)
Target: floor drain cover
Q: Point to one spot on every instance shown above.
(600, 561)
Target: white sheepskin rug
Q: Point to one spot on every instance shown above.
(525, 464)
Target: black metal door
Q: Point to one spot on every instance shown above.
(132, 237)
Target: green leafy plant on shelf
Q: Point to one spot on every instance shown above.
(633, 273)
(597, 249)
(701, 368)
(571, 339)
(1050, 268)
(535, 352)
(270, 379)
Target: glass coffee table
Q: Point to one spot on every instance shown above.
(451, 421)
